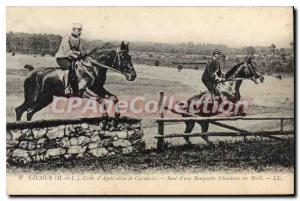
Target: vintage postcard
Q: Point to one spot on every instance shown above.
(150, 100)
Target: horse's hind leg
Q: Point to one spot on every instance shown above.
(38, 105)
(21, 109)
(29, 94)
(189, 125)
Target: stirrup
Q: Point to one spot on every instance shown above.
(68, 91)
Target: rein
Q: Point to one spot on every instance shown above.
(101, 65)
(236, 79)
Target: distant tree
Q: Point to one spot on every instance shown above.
(179, 68)
(223, 59)
(32, 43)
(273, 46)
(273, 49)
(250, 51)
(292, 49)
(282, 54)
(43, 53)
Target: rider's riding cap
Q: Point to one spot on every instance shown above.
(216, 51)
(76, 26)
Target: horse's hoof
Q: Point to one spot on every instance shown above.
(241, 114)
(115, 124)
(117, 115)
(104, 123)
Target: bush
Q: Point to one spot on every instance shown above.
(43, 53)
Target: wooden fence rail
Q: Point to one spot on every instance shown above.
(217, 121)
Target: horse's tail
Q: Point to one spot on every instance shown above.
(29, 67)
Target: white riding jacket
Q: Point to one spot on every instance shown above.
(68, 45)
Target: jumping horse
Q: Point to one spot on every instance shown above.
(42, 84)
(229, 90)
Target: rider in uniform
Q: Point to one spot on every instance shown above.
(213, 74)
(71, 50)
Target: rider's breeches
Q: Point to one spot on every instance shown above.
(64, 63)
(210, 85)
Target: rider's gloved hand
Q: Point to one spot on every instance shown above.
(82, 55)
(75, 54)
(220, 79)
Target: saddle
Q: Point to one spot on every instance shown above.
(72, 87)
(223, 96)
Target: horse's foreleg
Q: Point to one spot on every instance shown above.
(204, 128)
(115, 101)
(189, 126)
(104, 122)
(117, 110)
(91, 94)
(107, 95)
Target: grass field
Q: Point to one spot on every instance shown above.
(272, 98)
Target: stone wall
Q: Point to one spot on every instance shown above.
(73, 140)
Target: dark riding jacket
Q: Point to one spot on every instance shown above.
(212, 68)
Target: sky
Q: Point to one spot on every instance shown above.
(232, 26)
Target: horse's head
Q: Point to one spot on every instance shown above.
(247, 70)
(250, 72)
(117, 59)
(124, 63)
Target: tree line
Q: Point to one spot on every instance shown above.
(48, 44)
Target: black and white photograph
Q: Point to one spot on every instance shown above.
(150, 100)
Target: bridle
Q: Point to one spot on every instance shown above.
(118, 60)
(113, 67)
(238, 70)
(245, 65)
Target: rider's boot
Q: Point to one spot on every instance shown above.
(74, 82)
(68, 89)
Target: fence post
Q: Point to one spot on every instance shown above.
(281, 125)
(160, 141)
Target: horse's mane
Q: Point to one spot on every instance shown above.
(106, 46)
(233, 70)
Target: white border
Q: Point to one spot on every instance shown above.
(148, 3)
(5, 3)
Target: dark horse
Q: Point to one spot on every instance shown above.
(230, 90)
(42, 84)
